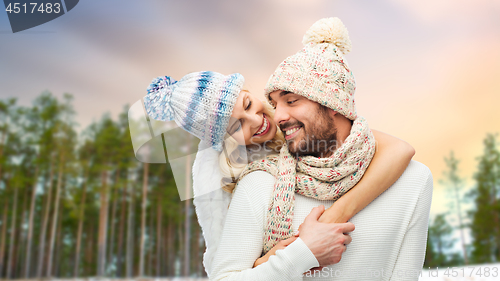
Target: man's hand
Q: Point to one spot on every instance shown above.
(326, 241)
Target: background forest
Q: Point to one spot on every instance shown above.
(82, 205)
(74, 201)
(78, 205)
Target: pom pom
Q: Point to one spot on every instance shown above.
(159, 83)
(158, 100)
(329, 30)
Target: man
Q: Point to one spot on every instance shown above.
(312, 92)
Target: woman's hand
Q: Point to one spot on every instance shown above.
(280, 246)
(337, 213)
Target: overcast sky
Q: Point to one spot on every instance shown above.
(427, 71)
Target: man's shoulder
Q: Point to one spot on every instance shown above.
(415, 180)
(398, 203)
(416, 172)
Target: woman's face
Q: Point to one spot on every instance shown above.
(249, 122)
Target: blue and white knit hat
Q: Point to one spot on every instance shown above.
(201, 103)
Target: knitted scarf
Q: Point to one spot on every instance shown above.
(319, 178)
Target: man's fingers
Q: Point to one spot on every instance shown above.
(348, 239)
(347, 227)
(315, 213)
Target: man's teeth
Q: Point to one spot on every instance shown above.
(264, 127)
(291, 131)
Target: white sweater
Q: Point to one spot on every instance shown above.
(388, 243)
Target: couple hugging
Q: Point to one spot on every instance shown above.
(317, 172)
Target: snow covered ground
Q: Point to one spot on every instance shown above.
(116, 279)
(484, 272)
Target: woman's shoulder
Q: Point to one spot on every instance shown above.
(255, 184)
(257, 188)
(256, 180)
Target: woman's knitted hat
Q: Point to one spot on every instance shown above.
(319, 71)
(201, 103)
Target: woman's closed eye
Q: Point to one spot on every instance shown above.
(291, 101)
(248, 105)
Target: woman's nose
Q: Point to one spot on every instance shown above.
(256, 120)
(255, 116)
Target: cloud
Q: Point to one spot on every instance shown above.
(431, 11)
(417, 76)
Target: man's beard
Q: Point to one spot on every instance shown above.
(320, 138)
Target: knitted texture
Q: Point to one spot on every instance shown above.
(210, 201)
(319, 178)
(389, 240)
(200, 103)
(319, 71)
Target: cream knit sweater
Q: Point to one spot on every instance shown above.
(388, 243)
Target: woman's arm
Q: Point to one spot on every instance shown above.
(391, 158)
(280, 246)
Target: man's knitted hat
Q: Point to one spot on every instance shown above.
(201, 103)
(319, 71)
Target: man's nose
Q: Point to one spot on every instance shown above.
(280, 115)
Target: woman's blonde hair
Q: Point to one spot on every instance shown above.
(231, 160)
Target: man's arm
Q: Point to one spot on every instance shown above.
(326, 241)
(242, 238)
(411, 255)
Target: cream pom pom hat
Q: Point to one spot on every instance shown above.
(319, 71)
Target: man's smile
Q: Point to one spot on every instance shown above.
(292, 132)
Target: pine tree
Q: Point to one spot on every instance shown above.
(439, 243)
(43, 125)
(6, 117)
(85, 158)
(142, 240)
(106, 153)
(455, 184)
(485, 214)
(65, 139)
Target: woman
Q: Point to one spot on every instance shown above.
(228, 119)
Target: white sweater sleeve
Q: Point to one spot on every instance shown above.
(412, 252)
(210, 201)
(242, 239)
